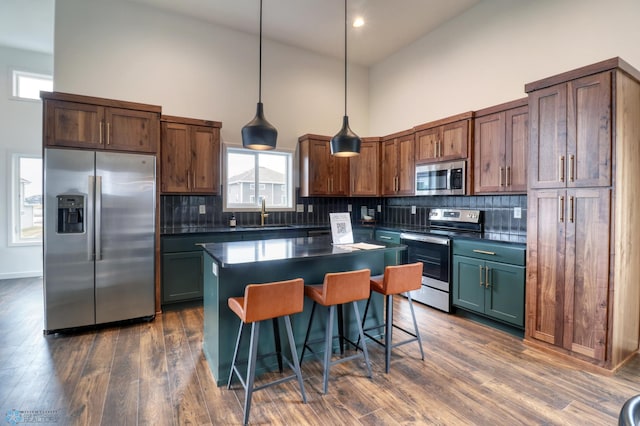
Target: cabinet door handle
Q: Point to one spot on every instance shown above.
(561, 208)
(490, 253)
(501, 172)
(396, 183)
(571, 167)
(571, 208)
(188, 180)
(508, 175)
(384, 237)
(481, 283)
(439, 148)
(435, 150)
(486, 277)
(100, 131)
(561, 168)
(108, 133)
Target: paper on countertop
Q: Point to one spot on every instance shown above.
(358, 246)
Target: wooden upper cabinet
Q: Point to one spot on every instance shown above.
(95, 123)
(398, 166)
(320, 172)
(571, 128)
(443, 140)
(500, 148)
(190, 156)
(364, 169)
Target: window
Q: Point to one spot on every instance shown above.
(26, 200)
(251, 176)
(27, 85)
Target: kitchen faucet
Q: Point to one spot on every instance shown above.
(263, 212)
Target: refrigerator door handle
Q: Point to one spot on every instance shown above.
(90, 231)
(98, 215)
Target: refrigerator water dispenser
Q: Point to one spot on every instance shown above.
(70, 214)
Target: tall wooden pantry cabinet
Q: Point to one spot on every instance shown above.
(583, 292)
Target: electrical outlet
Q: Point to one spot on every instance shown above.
(299, 208)
(413, 209)
(310, 208)
(517, 212)
(349, 208)
(379, 208)
(202, 209)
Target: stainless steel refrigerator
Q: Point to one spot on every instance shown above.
(99, 237)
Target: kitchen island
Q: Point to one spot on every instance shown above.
(230, 266)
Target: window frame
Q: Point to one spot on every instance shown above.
(230, 148)
(15, 86)
(13, 205)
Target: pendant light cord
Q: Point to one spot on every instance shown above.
(345, 57)
(260, 59)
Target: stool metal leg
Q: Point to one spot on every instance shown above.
(294, 357)
(251, 369)
(415, 325)
(276, 338)
(388, 333)
(361, 333)
(306, 337)
(235, 355)
(327, 348)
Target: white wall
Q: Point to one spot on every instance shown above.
(486, 56)
(20, 132)
(195, 69)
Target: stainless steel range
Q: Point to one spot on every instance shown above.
(432, 247)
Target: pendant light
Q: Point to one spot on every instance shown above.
(259, 134)
(345, 143)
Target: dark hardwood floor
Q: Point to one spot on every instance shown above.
(155, 373)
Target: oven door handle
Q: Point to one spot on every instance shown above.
(425, 239)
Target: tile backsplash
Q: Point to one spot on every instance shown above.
(499, 221)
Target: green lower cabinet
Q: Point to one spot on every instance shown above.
(490, 288)
(181, 276)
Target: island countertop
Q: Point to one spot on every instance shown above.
(241, 253)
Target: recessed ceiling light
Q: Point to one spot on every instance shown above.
(358, 22)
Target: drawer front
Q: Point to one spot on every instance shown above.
(388, 236)
(494, 251)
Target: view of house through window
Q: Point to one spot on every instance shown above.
(253, 175)
(27, 85)
(27, 199)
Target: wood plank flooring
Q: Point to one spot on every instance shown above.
(155, 374)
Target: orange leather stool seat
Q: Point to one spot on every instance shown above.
(267, 302)
(395, 280)
(338, 288)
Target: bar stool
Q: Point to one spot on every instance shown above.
(395, 280)
(338, 288)
(263, 302)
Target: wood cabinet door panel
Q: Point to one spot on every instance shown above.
(545, 265)
(504, 295)
(587, 271)
(319, 168)
(339, 175)
(205, 159)
(389, 167)
(468, 283)
(589, 131)
(73, 124)
(364, 170)
(455, 141)
(131, 130)
(175, 155)
(517, 148)
(406, 165)
(548, 143)
(489, 157)
(426, 149)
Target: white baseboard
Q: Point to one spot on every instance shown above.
(24, 274)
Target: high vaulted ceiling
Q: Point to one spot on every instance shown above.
(316, 25)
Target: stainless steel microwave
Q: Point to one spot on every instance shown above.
(448, 178)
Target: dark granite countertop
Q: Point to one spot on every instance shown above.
(184, 230)
(282, 249)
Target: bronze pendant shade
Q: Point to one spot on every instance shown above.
(259, 134)
(345, 143)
